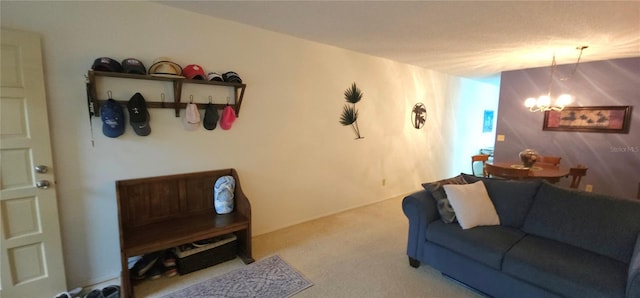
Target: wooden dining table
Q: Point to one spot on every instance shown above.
(548, 172)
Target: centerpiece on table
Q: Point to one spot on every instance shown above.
(528, 157)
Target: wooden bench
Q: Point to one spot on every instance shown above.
(157, 213)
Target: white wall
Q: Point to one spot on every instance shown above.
(295, 161)
(474, 98)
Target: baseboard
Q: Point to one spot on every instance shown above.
(94, 284)
(330, 213)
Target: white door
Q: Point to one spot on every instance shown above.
(31, 250)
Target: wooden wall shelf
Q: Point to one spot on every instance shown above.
(177, 91)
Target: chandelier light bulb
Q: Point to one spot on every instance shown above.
(544, 101)
(530, 102)
(564, 100)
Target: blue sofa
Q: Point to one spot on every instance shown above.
(551, 242)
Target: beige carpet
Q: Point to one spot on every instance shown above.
(357, 253)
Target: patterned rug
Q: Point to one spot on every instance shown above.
(268, 278)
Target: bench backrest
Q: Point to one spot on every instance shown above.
(149, 200)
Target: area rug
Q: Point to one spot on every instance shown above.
(269, 278)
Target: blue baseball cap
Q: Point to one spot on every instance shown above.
(112, 118)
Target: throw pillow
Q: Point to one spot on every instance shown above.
(472, 205)
(512, 198)
(444, 207)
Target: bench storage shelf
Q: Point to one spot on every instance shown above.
(159, 213)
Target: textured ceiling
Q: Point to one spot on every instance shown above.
(464, 38)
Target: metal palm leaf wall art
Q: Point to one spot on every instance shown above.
(418, 115)
(349, 113)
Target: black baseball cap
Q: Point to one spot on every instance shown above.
(210, 117)
(231, 77)
(106, 64)
(139, 115)
(133, 65)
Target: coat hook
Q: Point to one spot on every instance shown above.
(228, 100)
(162, 99)
(109, 94)
(210, 99)
(191, 98)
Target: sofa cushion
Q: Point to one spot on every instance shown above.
(472, 205)
(512, 199)
(486, 244)
(444, 207)
(564, 269)
(633, 277)
(602, 224)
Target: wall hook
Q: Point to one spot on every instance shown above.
(109, 94)
(210, 99)
(191, 98)
(228, 100)
(162, 99)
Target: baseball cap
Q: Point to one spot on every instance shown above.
(193, 72)
(210, 117)
(191, 120)
(112, 118)
(214, 76)
(106, 64)
(139, 115)
(228, 117)
(133, 65)
(164, 67)
(231, 77)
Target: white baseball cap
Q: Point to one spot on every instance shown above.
(191, 119)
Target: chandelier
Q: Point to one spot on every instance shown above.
(543, 103)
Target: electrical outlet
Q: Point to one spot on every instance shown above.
(589, 188)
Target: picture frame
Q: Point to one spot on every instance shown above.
(606, 119)
(487, 121)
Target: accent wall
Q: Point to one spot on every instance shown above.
(613, 159)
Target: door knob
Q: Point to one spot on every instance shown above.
(41, 169)
(43, 184)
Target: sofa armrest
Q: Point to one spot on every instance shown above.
(420, 208)
(633, 278)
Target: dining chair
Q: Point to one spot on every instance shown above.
(576, 175)
(508, 173)
(552, 160)
(479, 158)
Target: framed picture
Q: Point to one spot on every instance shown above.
(612, 119)
(487, 122)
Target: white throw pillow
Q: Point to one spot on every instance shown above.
(472, 205)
